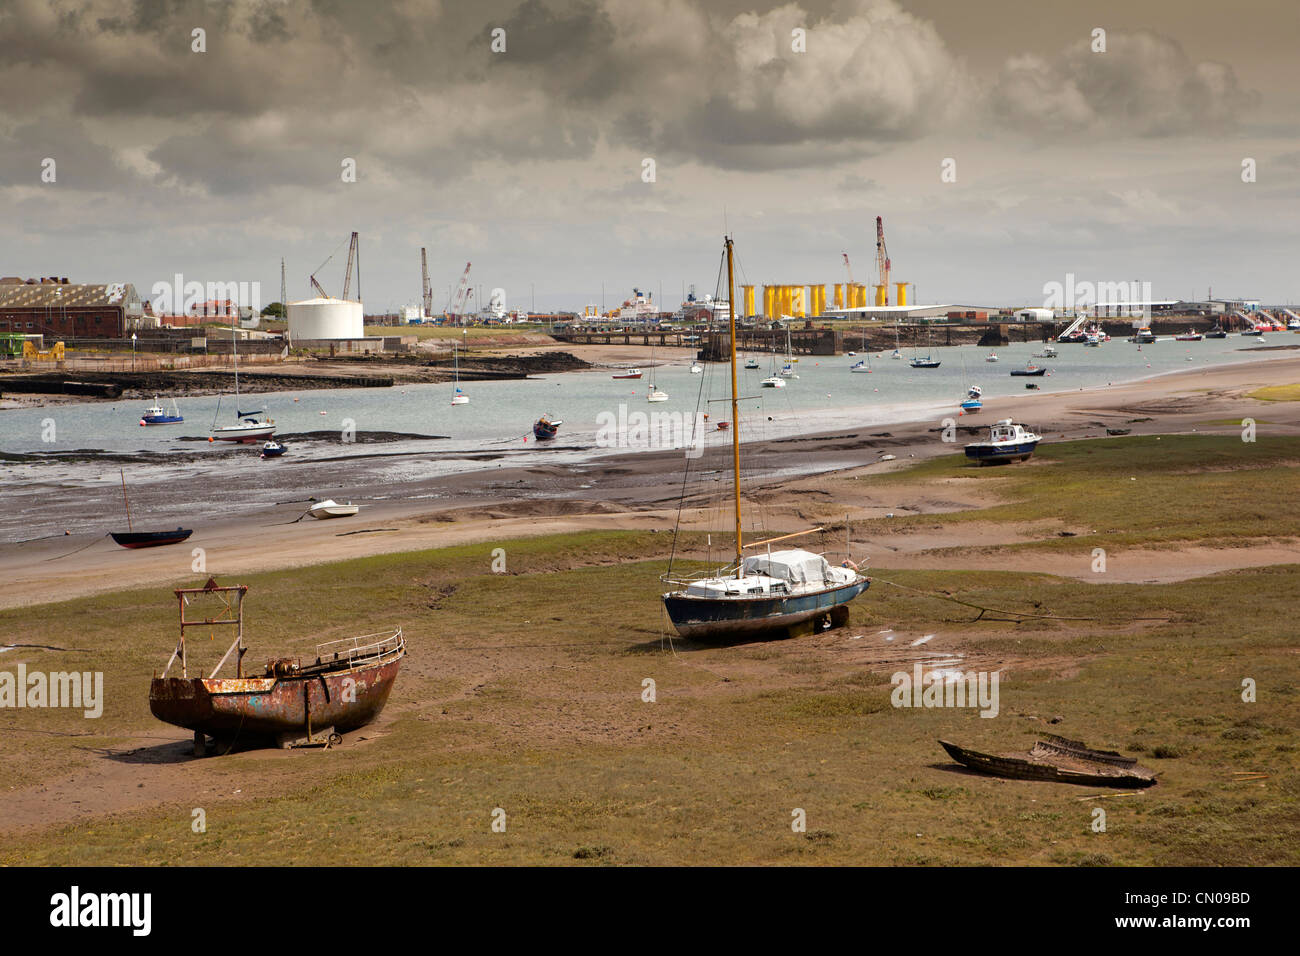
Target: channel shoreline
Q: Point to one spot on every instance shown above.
(626, 489)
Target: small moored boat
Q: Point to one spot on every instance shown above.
(544, 428)
(1030, 369)
(155, 414)
(273, 449)
(150, 539)
(329, 508)
(130, 538)
(628, 373)
(1007, 441)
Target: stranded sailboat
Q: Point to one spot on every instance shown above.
(458, 397)
(130, 538)
(767, 593)
(249, 427)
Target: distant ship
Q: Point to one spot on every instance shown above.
(706, 311)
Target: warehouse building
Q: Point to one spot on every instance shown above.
(57, 309)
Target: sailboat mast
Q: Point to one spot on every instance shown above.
(234, 352)
(125, 500)
(735, 406)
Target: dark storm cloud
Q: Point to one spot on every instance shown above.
(1142, 84)
(412, 90)
(547, 33)
(80, 163)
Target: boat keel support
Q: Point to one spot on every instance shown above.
(325, 737)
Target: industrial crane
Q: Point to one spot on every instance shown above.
(354, 255)
(882, 264)
(426, 290)
(458, 301)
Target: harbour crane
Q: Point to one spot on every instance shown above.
(426, 290)
(462, 291)
(882, 264)
(354, 255)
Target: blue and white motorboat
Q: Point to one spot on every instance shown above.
(1007, 441)
(273, 449)
(155, 414)
(972, 401)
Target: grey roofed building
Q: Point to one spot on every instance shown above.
(59, 308)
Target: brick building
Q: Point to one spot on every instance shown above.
(57, 309)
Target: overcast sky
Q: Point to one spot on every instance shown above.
(1114, 166)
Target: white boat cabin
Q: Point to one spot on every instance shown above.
(780, 574)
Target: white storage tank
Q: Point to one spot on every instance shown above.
(326, 319)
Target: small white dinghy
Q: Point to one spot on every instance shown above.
(329, 508)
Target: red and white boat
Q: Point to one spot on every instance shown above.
(1189, 336)
(628, 373)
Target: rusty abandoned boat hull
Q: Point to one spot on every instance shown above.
(226, 706)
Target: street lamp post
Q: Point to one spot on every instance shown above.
(132, 351)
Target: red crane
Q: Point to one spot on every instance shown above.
(458, 302)
(882, 259)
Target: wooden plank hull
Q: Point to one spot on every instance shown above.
(1061, 762)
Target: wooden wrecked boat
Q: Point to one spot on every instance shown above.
(1059, 760)
(294, 702)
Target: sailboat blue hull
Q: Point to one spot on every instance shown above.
(706, 618)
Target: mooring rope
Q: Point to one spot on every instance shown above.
(993, 610)
(78, 551)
